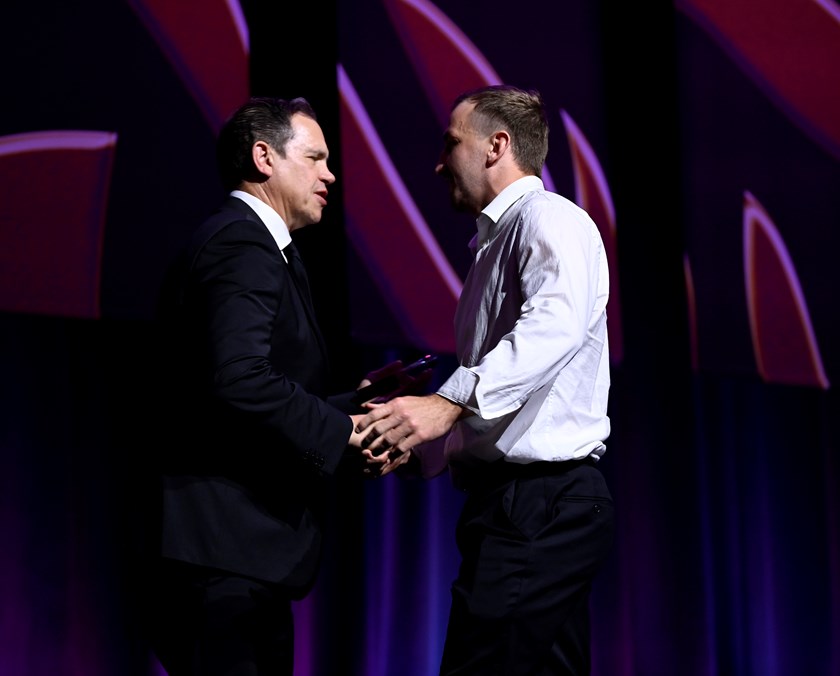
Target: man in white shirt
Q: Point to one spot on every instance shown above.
(523, 419)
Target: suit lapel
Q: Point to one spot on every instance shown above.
(296, 269)
(299, 276)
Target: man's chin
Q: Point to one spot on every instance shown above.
(315, 216)
(459, 204)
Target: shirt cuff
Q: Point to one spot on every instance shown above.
(460, 388)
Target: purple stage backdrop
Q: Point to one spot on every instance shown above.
(703, 136)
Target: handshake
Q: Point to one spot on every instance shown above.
(378, 387)
(398, 422)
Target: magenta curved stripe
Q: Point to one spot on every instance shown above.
(592, 193)
(691, 304)
(206, 41)
(445, 60)
(51, 250)
(305, 612)
(391, 236)
(791, 48)
(783, 338)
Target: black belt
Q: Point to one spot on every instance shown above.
(500, 472)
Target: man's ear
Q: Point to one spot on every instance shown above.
(499, 146)
(263, 158)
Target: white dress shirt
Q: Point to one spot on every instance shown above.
(531, 333)
(270, 218)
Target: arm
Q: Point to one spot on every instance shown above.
(257, 352)
(549, 304)
(551, 293)
(402, 423)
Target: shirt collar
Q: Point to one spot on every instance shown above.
(491, 214)
(271, 219)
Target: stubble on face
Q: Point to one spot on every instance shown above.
(461, 163)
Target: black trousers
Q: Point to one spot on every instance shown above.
(202, 622)
(532, 538)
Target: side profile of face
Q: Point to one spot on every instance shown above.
(298, 184)
(463, 160)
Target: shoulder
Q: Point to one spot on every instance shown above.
(232, 221)
(549, 222)
(542, 210)
(542, 203)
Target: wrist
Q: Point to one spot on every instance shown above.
(453, 409)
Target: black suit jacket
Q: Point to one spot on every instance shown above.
(245, 397)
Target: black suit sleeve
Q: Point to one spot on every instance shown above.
(262, 354)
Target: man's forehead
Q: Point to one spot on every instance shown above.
(459, 119)
(301, 122)
(462, 111)
(307, 133)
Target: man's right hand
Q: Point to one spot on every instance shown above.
(376, 463)
(404, 422)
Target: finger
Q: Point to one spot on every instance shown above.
(415, 384)
(398, 460)
(381, 449)
(388, 369)
(373, 459)
(400, 446)
(403, 458)
(370, 441)
(383, 442)
(380, 433)
(374, 415)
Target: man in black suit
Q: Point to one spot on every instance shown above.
(242, 500)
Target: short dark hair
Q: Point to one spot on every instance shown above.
(521, 113)
(259, 119)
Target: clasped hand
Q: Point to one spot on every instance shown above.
(382, 460)
(394, 428)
